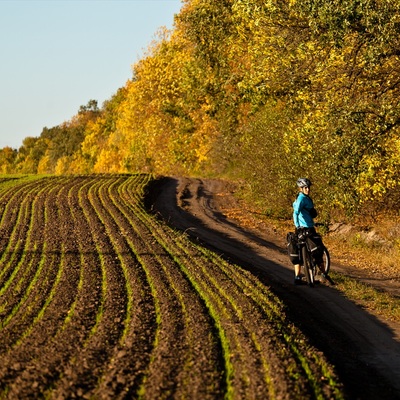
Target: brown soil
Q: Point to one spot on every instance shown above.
(364, 348)
(86, 311)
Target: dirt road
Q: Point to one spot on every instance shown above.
(364, 349)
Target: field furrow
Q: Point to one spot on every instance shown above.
(21, 294)
(28, 359)
(84, 370)
(190, 336)
(14, 227)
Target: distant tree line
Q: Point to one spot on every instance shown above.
(260, 92)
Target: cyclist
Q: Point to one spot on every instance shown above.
(303, 217)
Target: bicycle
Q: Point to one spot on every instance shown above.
(312, 271)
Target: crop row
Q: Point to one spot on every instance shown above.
(100, 299)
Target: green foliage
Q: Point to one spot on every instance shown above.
(266, 167)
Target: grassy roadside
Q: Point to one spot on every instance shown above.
(374, 256)
(374, 300)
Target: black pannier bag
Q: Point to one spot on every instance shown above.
(292, 248)
(316, 246)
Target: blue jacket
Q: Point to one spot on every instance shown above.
(301, 211)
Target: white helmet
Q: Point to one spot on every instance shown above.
(303, 182)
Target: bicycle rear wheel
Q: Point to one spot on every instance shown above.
(308, 271)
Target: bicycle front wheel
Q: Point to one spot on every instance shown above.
(326, 260)
(308, 272)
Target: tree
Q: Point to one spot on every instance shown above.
(7, 160)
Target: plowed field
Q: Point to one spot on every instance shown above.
(100, 299)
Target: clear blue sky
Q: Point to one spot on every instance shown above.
(56, 55)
